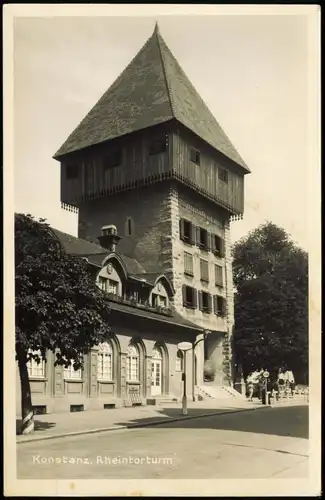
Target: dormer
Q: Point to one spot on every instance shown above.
(109, 279)
(159, 296)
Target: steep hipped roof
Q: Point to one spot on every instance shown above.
(153, 89)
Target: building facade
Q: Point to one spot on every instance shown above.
(151, 160)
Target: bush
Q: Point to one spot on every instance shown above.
(209, 370)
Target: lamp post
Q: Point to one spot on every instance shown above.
(184, 347)
(195, 343)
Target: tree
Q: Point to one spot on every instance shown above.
(59, 307)
(271, 302)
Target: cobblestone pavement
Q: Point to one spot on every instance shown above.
(270, 443)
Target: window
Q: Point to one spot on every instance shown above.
(218, 275)
(218, 245)
(188, 264)
(102, 282)
(71, 374)
(179, 361)
(219, 305)
(36, 370)
(163, 301)
(112, 287)
(202, 238)
(204, 268)
(112, 159)
(223, 175)
(187, 231)
(105, 362)
(158, 146)
(72, 172)
(132, 363)
(158, 300)
(129, 226)
(205, 302)
(195, 156)
(189, 297)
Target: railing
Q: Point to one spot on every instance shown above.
(138, 304)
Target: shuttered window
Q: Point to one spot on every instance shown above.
(220, 305)
(72, 172)
(204, 269)
(223, 175)
(187, 231)
(203, 238)
(189, 297)
(218, 245)
(218, 275)
(112, 159)
(158, 145)
(205, 302)
(195, 156)
(188, 264)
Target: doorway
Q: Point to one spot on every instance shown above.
(156, 372)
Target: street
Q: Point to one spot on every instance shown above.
(271, 442)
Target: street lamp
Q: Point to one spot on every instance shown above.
(205, 335)
(184, 347)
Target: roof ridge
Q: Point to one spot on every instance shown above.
(158, 36)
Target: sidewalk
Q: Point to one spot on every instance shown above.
(63, 424)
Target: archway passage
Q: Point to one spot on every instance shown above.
(156, 372)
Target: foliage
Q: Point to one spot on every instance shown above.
(58, 305)
(271, 302)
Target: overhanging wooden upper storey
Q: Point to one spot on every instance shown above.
(153, 89)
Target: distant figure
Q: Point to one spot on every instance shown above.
(291, 381)
(250, 389)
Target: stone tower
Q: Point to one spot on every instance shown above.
(151, 159)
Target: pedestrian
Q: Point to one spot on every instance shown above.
(250, 390)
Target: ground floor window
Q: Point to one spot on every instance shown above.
(71, 374)
(133, 363)
(36, 370)
(105, 362)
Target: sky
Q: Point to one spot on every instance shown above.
(252, 72)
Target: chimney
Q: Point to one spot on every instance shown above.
(109, 237)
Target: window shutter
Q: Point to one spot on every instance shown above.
(224, 307)
(193, 234)
(194, 298)
(184, 295)
(215, 304)
(209, 238)
(222, 247)
(209, 302)
(213, 242)
(200, 301)
(181, 228)
(198, 234)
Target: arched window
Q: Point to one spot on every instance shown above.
(179, 361)
(71, 374)
(105, 361)
(36, 370)
(156, 353)
(133, 363)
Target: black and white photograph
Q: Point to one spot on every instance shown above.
(162, 250)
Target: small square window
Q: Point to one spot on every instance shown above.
(72, 172)
(158, 146)
(195, 156)
(112, 159)
(223, 175)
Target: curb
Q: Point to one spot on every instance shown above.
(134, 426)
